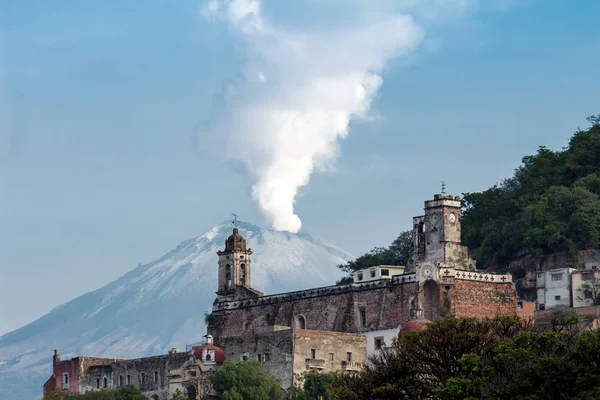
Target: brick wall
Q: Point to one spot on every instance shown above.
(481, 299)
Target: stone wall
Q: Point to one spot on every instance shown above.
(293, 351)
(275, 349)
(349, 308)
(333, 351)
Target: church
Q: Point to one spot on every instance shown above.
(332, 328)
(441, 280)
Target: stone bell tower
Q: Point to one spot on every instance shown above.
(436, 235)
(234, 264)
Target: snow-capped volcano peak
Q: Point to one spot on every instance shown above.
(161, 304)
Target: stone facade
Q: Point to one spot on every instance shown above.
(288, 352)
(440, 280)
(157, 377)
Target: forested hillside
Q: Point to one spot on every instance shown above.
(551, 203)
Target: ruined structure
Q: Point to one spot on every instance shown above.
(440, 280)
(157, 377)
(291, 351)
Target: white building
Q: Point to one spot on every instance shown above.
(380, 339)
(578, 278)
(554, 288)
(378, 272)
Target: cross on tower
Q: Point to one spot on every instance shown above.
(234, 219)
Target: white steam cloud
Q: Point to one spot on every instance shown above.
(298, 93)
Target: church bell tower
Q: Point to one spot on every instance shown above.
(234, 264)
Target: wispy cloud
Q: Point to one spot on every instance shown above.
(300, 90)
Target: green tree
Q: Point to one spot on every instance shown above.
(122, 393)
(245, 381)
(398, 253)
(550, 204)
(177, 396)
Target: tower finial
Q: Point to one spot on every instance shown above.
(234, 220)
(443, 187)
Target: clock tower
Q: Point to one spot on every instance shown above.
(436, 236)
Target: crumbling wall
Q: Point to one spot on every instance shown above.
(333, 351)
(277, 346)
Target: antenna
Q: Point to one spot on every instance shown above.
(235, 217)
(443, 187)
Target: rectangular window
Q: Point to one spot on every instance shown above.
(155, 376)
(349, 356)
(363, 316)
(313, 353)
(373, 274)
(557, 277)
(540, 275)
(378, 343)
(120, 380)
(105, 383)
(385, 272)
(267, 357)
(587, 276)
(129, 379)
(258, 358)
(65, 382)
(360, 277)
(97, 383)
(331, 356)
(556, 298)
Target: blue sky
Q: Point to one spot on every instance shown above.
(100, 103)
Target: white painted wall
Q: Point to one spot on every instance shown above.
(374, 273)
(578, 278)
(387, 334)
(554, 292)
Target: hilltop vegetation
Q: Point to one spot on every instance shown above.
(550, 204)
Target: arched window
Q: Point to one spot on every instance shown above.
(228, 273)
(243, 274)
(421, 238)
(105, 382)
(300, 322)
(207, 357)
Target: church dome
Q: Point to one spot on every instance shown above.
(209, 353)
(235, 242)
(415, 325)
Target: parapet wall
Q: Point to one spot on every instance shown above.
(317, 292)
(349, 308)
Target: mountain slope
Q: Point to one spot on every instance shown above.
(159, 305)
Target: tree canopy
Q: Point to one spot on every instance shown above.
(398, 253)
(122, 393)
(245, 381)
(551, 203)
(492, 359)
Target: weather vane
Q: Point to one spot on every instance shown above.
(443, 187)
(234, 219)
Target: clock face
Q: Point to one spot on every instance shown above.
(427, 271)
(434, 219)
(452, 217)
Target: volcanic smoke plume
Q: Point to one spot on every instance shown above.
(298, 92)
